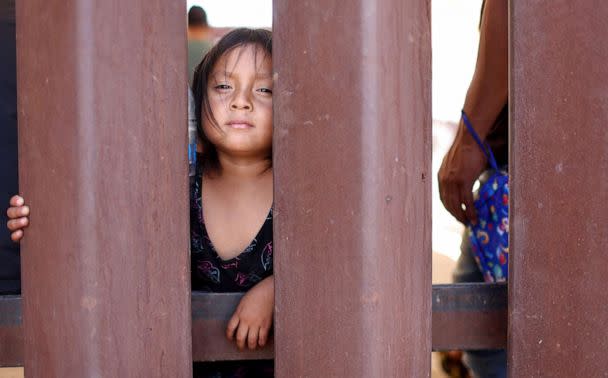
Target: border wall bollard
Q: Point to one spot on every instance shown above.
(559, 191)
(353, 196)
(103, 164)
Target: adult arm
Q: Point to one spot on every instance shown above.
(486, 97)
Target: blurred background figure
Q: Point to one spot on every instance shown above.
(199, 38)
(487, 108)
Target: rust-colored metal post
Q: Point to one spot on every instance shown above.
(102, 143)
(352, 162)
(559, 176)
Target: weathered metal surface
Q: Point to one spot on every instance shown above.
(11, 332)
(102, 155)
(469, 316)
(352, 158)
(559, 189)
(465, 316)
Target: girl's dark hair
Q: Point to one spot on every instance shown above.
(234, 39)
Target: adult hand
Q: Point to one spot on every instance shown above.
(461, 166)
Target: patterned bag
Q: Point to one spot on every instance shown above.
(490, 236)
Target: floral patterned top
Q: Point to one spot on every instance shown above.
(211, 273)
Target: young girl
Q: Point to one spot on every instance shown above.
(231, 194)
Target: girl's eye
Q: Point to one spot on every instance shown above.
(265, 90)
(222, 86)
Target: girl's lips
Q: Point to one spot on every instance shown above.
(240, 125)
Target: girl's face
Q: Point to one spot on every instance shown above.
(240, 96)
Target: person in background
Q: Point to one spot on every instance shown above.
(487, 109)
(199, 38)
(9, 252)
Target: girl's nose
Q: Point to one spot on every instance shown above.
(241, 101)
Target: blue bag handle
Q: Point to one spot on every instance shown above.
(484, 146)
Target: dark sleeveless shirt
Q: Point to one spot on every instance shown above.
(212, 274)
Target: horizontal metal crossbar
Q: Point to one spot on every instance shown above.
(465, 316)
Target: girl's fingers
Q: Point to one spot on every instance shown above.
(252, 339)
(241, 336)
(17, 235)
(232, 326)
(17, 212)
(17, 224)
(263, 336)
(16, 201)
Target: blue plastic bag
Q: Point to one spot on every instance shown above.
(490, 235)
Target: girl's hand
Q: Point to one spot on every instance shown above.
(252, 319)
(18, 217)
